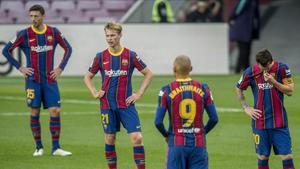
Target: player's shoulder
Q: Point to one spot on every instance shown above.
(283, 65)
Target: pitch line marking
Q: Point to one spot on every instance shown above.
(74, 101)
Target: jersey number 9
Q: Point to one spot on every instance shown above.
(187, 110)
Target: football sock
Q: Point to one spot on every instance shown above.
(263, 164)
(36, 130)
(55, 132)
(139, 157)
(288, 164)
(111, 156)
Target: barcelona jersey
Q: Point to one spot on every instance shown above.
(116, 71)
(267, 98)
(38, 47)
(185, 100)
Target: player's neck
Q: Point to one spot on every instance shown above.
(116, 49)
(177, 76)
(41, 27)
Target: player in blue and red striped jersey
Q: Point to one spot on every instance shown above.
(38, 42)
(116, 65)
(269, 81)
(185, 100)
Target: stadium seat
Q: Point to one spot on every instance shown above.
(88, 4)
(104, 19)
(44, 3)
(8, 6)
(97, 13)
(116, 5)
(63, 5)
(57, 20)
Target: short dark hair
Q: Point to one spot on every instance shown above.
(37, 7)
(264, 57)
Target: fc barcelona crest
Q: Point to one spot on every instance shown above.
(124, 62)
(49, 38)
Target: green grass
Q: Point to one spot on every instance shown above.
(230, 144)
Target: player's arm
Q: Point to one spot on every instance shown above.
(147, 79)
(287, 87)
(250, 111)
(160, 114)
(88, 80)
(62, 41)
(7, 53)
(210, 109)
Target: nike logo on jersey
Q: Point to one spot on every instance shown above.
(104, 63)
(31, 40)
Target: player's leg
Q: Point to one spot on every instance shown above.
(33, 97)
(51, 101)
(263, 147)
(131, 122)
(197, 158)
(283, 146)
(111, 125)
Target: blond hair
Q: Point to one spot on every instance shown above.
(113, 26)
(182, 65)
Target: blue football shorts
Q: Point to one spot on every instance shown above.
(46, 93)
(278, 138)
(184, 157)
(111, 120)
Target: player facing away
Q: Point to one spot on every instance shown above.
(185, 100)
(269, 81)
(116, 65)
(38, 42)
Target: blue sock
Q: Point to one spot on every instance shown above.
(111, 156)
(36, 130)
(55, 132)
(288, 164)
(139, 156)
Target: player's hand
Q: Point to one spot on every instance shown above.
(133, 98)
(54, 74)
(253, 113)
(167, 139)
(26, 71)
(269, 78)
(98, 94)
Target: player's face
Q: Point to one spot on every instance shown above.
(112, 37)
(36, 18)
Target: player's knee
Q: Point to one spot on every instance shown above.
(110, 139)
(263, 157)
(286, 157)
(35, 112)
(54, 111)
(137, 138)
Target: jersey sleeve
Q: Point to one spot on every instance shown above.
(137, 62)
(286, 74)
(95, 65)
(160, 112)
(208, 98)
(10, 46)
(210, 109)
(62, 41)
(244, 81)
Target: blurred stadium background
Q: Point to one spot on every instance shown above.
(229, 145)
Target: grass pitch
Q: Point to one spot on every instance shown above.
(230, 144)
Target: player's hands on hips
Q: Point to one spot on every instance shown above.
(133, 98)
(253, 113)
(98, 94)
(26, 71)
(54, 74)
